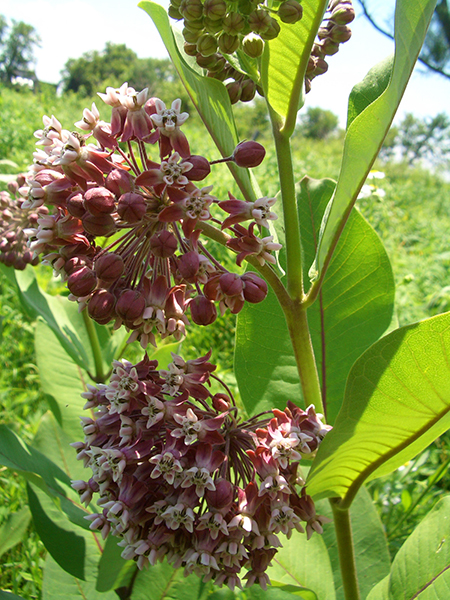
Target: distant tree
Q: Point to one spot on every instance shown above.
(436, 49)
(318, 123)
(17, 44)
(95, 70)
(416, 139)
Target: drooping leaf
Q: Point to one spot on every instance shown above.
(73, 548)
(421, 568)
(13, 529)
(163, 582)
(60, 585)
(296, 564)
(285, 59)
(397, 401)
(372, 108)
(353, 310)
(4, 595)
(209, 97)
(369, 542)
(112, 568)
(62, 379)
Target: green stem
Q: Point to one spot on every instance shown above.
(100, 375)
(297, 323)
(291, 223)
(346, 550)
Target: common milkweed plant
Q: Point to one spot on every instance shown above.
(176, 478)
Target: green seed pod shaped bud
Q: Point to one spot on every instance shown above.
(191, 37)
(329, 47)
(228, 43)
(190, 49)
(246, 7)
(206, 62)
(253, 45)
(290, 11)
(343, 14)
(196, 25)
(234, 91)
(191, 9)
(175, 3)
(233, 23)
(248, 90)
(212, 26)
(220, 64)
(220, 75)
(340, 33)
(272, 31)
(259, 21)
(174, 13)
(215, 9)
(207, 44)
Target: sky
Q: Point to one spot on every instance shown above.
(68, 28)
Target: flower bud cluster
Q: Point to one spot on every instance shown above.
(180, 477)
(214, 29)
(14, 221)
(155, 267)
(333, 32)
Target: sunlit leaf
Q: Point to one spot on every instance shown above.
(13, 529)
(372, 107)
(397, 401)
(421, 566)
(163, 582)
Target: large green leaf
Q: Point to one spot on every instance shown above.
(62, 379)
(60, 585)
(163, 582)
(67, 323)
(421, 568)
(369, 542)
(208, 95)
(353, 310)
(397, 401)
(112, 568)
(13, 529)
(372, 107)
(296, 564)
(285, 59)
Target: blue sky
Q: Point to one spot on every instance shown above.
(70, 27)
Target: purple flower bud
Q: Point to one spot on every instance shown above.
(200, 168)
(231, 284)
(75, 264)
(109, 267)
(99, 201)
(119, 182)
(249, 154)
(130, 305)
(131, 207)
(82, 282)
(255, 288)
(188, 265)
(163, 244)
(203, 311)
(101, 225)
(101, 306)
(75, 205)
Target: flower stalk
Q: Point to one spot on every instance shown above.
(346, 550)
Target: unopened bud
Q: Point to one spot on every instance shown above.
(102, 225)
(248, 90)
(131, 207)
(99, 201)
(249, 154)
(109, 267)
(233, 23)
(207, 44)
(191, 9)
(259, 21)
(82, 282)
(255, 288)
(215, 9)
(228, 43)
(231, 284)
(203, 311)
(234, 91)
(290, 11)
(75, 205)
(200, 168)
(343, 14)
(221, 402)
(101, 306)
(119, 181)
(163, 244)
(130, 305)
(272, 30)
(253, 45)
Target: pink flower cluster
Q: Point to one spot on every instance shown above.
(180, 477)
(155, 267)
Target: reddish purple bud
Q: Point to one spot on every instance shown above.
(99, 201)
(131, 207)
(231, 284)
(201, 168)
(75, 205)
(249, 154)
(109, 267)
(203, 312)
(222, 497)
(255, 288)
(119, 182)
(101, 306)
(221, 402)
(163, 244)
(82, 282)
(101, 225)
(188, 266)
(130, 305)
(75, 264)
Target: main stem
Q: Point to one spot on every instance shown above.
(346, 551)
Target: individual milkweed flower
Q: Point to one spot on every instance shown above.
(100, 129)
(168, 121)
(239, 211)
(137, 122)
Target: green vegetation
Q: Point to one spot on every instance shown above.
(410, 214)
